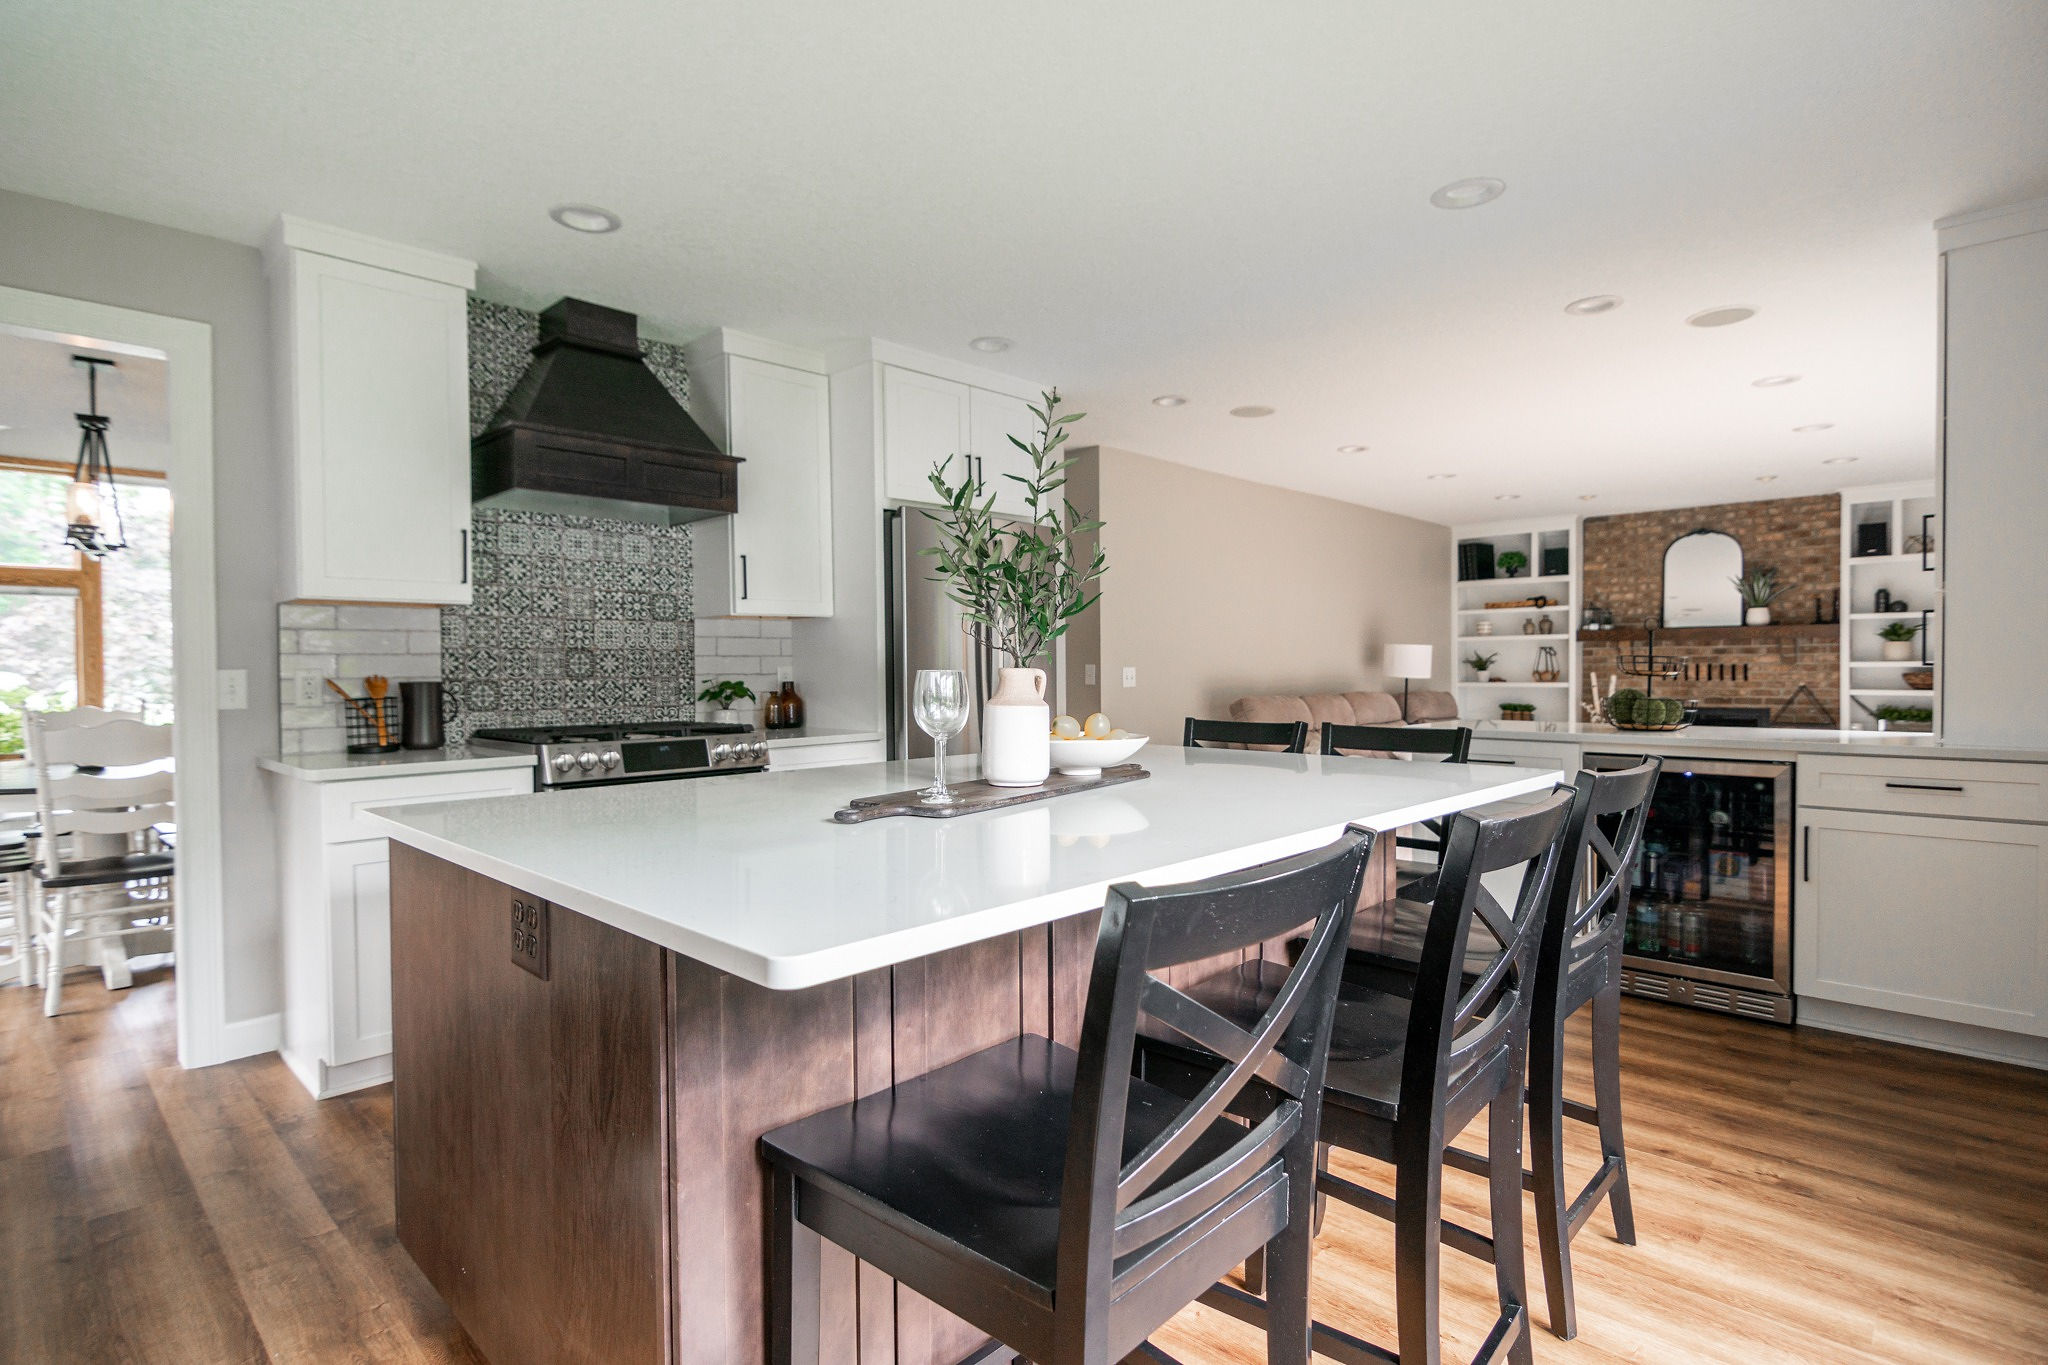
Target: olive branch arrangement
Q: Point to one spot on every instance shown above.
(1020, 583)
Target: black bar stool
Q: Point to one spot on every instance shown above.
(1289, 735)
(1412, 877)
(1417, 1051)
(1051, 1197)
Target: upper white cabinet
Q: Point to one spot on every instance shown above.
(926, 418)
(373, 342)
(770, 405)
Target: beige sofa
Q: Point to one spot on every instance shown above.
(1344, 708)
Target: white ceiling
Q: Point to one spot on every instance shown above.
(1214, 199)
(42, 391)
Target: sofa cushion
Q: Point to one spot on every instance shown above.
(1268, 710)
(1374, 708)
(1430, 706)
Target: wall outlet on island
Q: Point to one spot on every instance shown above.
(1130, 677)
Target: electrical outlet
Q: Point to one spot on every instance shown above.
(530, 935)
(1088, 675)
(306, 689)
(231, 689)
(1130, 677)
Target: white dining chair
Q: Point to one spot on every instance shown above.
(100, 875)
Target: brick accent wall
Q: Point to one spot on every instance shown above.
(1623, 570)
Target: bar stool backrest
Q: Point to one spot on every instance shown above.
(97, 802)
(1589, 908)
(1110, 1204)
(1286, 736)
(1460, 1026)
(1455, 743)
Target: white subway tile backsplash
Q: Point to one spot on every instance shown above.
(388, 618)
(353, 668)
(423, 642)
(353, 641)
(742, 646)
(776, 629)
(290, 664)
(298, 614)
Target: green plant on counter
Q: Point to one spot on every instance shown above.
(724, 695)
(1907, 715)
(1512, 562)
(1479, 663)
(1517, 710)
(1900, 631)
(1020, 582)
(1759, 587)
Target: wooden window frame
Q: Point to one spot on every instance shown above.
(82, 578)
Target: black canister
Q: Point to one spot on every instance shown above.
(425, 718)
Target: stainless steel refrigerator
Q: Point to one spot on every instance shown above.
(924, 629)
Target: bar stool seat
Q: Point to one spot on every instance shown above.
(125, 867)
(975, 1152)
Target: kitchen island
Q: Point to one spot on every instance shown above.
(602, 998)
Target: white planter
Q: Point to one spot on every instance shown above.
(1756, 616)
(725, 717)
(1016, 730)
(1900, 651)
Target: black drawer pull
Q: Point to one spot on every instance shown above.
(1806, 855)
(1923, 786)
(1495, 762)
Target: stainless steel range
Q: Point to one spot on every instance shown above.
(601, 755)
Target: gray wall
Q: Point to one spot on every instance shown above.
(57, 249)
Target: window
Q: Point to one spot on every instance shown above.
(74, 631)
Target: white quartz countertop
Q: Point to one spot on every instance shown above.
(749, 874)
(1700, 738)
(796, 739)
(345, 767)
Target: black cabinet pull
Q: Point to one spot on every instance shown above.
(1925, 567)
(743, 578)
(1924, 786)
(1925, 658)
(1496, 762)
(1806, 855)
(465, 554)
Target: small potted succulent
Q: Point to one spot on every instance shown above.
(724, 698)
(1512, 562)
(1759, 588)
(1898, 641)
(1518, 710)
(1479, 663)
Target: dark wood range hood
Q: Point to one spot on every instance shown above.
(588, 429)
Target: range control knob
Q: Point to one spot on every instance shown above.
(720, 752)
(561, 763)
(759, 750)
(586, 760)
(611, 758)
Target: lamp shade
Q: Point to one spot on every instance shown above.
(1408, 661)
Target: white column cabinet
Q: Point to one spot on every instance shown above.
(373, 342)
(770, 405)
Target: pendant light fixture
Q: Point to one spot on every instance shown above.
(92, 506)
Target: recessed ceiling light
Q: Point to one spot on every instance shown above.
(1169, 400)
(1594, 303)
(1774, 381)
(1721, 317)
(1469, 194)
(1767, 478)
(1815, 426)
(1507, 497)
(1587, 497)
(1434, 477)
(990, 344)
(1252, 410)
(1840, 459)
(585, 218)
(1352, 450)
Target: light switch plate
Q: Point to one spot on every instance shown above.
(231, 689)
(1130, 677)
(1088, 675)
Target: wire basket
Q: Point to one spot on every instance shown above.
(360, 718)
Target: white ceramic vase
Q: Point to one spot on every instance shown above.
(1756, 616)
(1016, 730)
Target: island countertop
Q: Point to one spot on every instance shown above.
(749, 874)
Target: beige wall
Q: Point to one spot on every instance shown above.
(1219, 588)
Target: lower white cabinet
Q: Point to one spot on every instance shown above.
(1933, 916)
(336, 887)
(829, 754)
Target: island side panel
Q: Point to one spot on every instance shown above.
(528, 1122)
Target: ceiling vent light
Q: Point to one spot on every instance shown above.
(990, 345)
(1434, 477)
(585, 218)
(1593, 305)
(1721, 317)
(1774, 381)
(1169, 400)
(1814, 426)
(1840, 459)
(1252, 410)
(1767, 478)
(1469, 194)
(1352, 450)
(1507, 497)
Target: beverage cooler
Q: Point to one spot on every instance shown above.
(1710, 915)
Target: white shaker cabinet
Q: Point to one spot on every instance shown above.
(769, 405)
(993, 419)
(925, 420)
(373, 369)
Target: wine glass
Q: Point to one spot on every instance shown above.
(940, 706)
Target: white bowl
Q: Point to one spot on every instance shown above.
(1088, 757)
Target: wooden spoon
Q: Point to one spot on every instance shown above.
(379, 687)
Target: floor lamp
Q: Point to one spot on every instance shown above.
(1405, 662)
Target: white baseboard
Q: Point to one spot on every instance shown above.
(249, 1037)
(1968, 1040)
(340, 1080)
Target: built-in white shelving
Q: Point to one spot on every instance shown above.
(1869, 680)
(1518, 654)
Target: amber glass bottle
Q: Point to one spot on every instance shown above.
(792, 707)
(773, 717)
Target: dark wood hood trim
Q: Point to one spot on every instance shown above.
(524, 458)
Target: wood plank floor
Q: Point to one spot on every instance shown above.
(1800, 1197)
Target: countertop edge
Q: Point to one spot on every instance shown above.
(372, 765)
(776, 741)
(1876, 746)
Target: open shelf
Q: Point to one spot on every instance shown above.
(1514, 684)
(1904, 511)
(1514, 635)
(1893, 692)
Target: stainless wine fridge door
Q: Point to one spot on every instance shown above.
(1710, 913)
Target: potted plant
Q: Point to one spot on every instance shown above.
(1518, 710)
(1512, 562)
(1759, 588)
(1898, 641)
(1019, 583)
(724, 698)
(1479, 663)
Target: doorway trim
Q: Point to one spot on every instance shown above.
(199, 938)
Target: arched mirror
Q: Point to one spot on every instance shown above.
(1700, 570)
